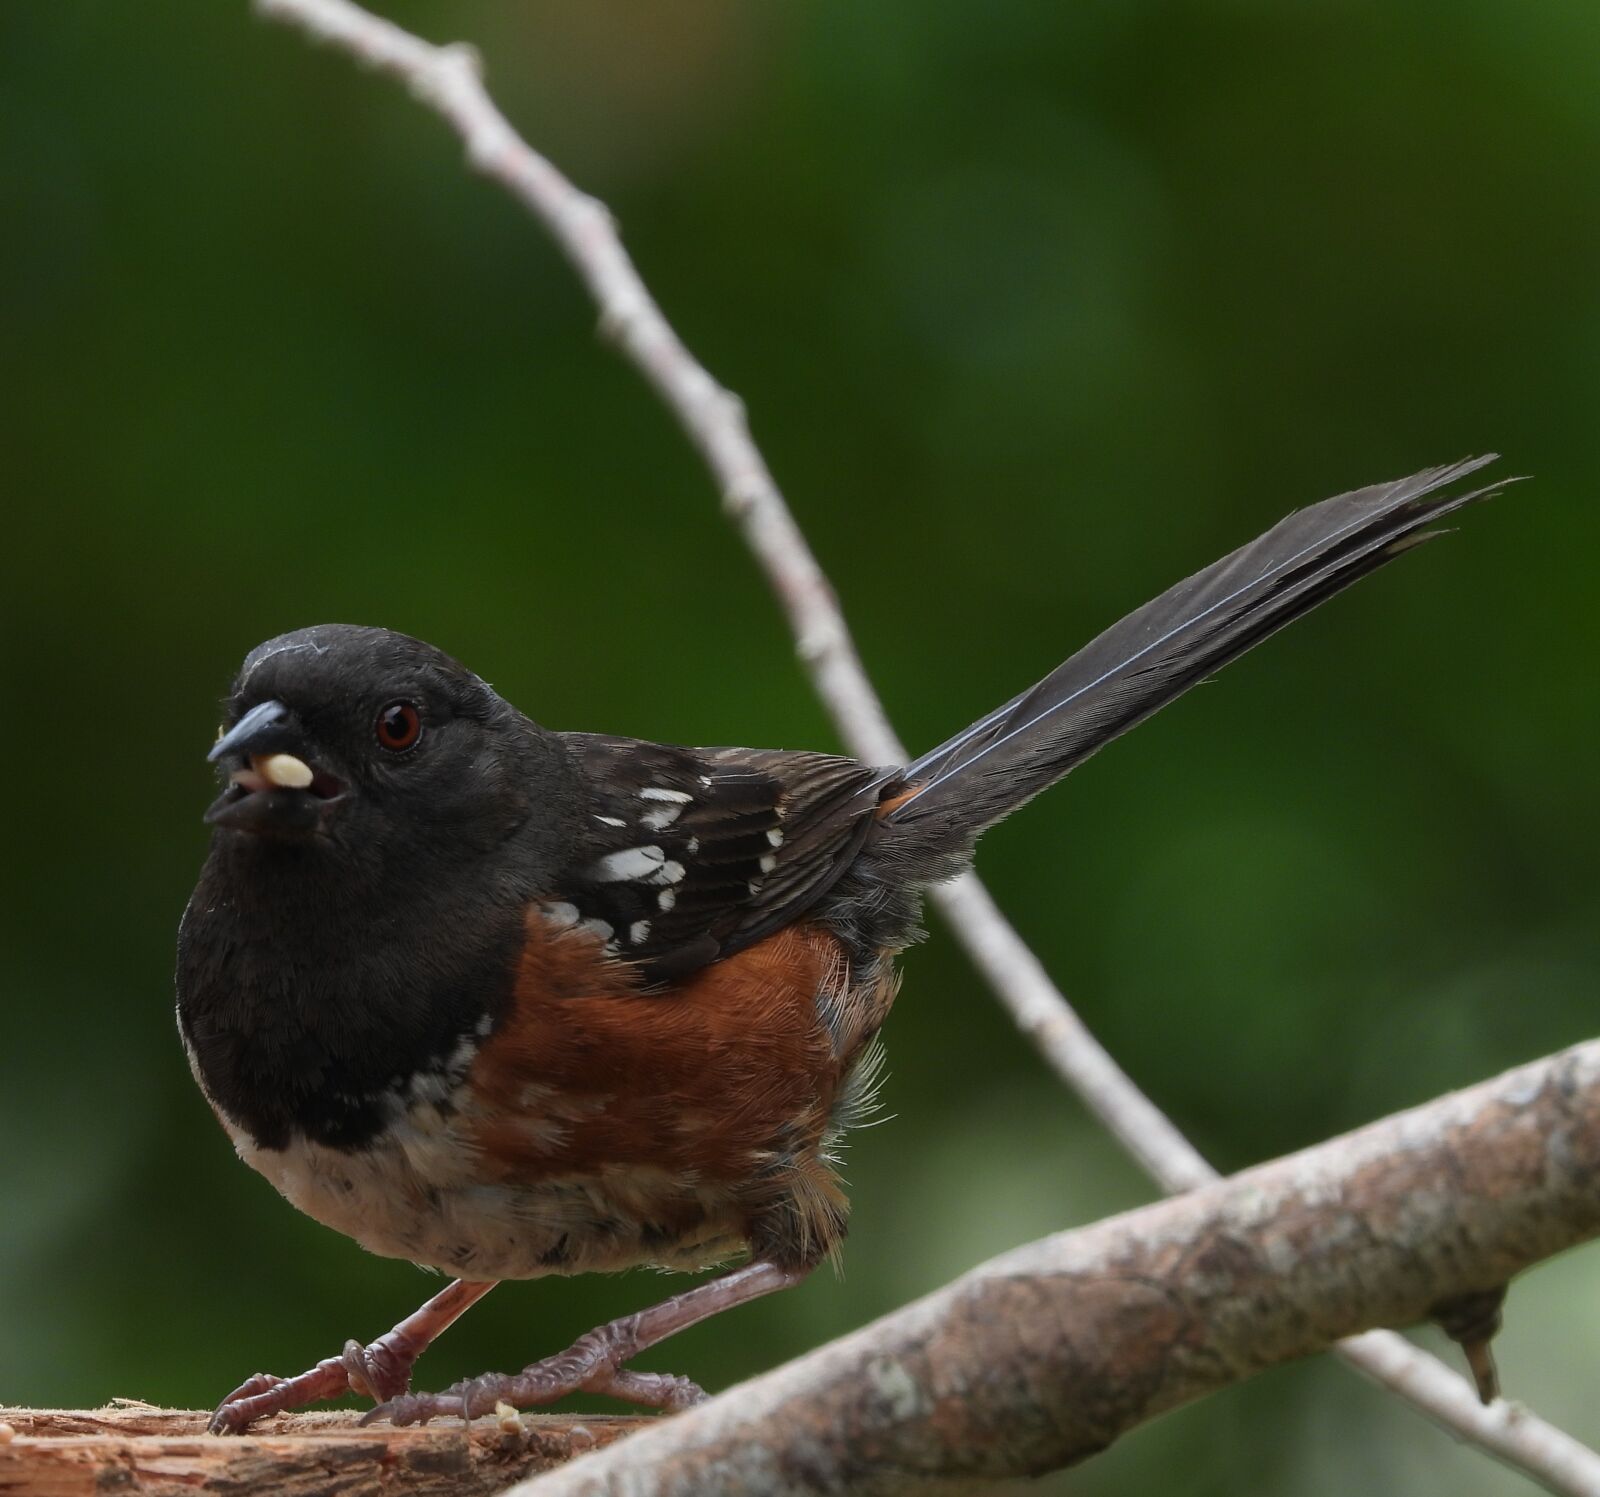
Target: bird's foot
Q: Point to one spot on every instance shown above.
(380, 1371)
(265, 1394)
(592, 1364)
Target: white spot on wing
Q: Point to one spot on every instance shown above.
(639, 932)
(769, 862)
(669, 873)
(610, 820)
(559, 912)
(666, 899)
(661, 817)
(775, 837)
(676, 797)
(631, 863)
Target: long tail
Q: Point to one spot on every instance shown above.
(1156, 654)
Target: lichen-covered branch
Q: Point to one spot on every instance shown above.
(1046, 1355)
(447, 79)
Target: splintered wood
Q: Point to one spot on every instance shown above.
(136, 1448)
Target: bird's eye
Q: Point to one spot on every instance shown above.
(399, 726)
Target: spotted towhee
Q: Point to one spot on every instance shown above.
(511, 1002)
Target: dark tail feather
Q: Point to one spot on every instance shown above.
(1158, 652)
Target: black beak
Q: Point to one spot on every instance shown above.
(268, 729)
(259, 800)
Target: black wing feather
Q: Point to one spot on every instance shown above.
(689, 855)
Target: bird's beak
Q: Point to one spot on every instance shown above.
(270, 728)
(274, 788)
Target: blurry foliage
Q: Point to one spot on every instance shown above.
(1036, 308)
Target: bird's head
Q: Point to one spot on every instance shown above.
(369, 742)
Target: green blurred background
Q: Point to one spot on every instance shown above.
(1036, 309)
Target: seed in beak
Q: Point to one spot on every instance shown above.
(284, 771)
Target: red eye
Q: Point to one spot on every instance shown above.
(398, 727)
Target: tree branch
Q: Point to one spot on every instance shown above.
(1047, 1354)
(134, 1448)
(447, 79)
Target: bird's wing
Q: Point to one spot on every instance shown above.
(689, 855)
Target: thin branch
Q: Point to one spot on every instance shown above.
(1044, 1356)
(448, 80)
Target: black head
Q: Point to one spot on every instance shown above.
(384, 820)
(339, 738)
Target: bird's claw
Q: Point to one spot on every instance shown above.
(265, 1394)
(232, 1416)
(374, 1371)
(465, 1400)
(587, 1370)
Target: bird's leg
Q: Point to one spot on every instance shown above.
(381, 1370)
(595, 1363)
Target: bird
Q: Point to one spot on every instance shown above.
(511, 1002)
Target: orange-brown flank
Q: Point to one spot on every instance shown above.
(714, 1091)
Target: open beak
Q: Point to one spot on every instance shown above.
(275, 788)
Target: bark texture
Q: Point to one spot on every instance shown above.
(134, 1448)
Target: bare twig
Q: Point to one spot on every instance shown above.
(1047, 1354)
(447, 79)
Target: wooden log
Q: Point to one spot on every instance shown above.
(131, 1447)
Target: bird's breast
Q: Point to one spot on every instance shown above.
(590, 1125)
(419, 1191)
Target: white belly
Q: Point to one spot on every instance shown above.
(417, 1191)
